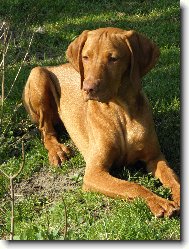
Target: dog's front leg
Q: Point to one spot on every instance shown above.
(98, 179)
(57, 152)
(160, 169)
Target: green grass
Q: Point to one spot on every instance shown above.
(89, 216)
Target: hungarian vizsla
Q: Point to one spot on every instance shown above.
(99, 98)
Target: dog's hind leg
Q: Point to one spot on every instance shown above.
(41, 102)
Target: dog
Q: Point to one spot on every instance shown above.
(99, 98)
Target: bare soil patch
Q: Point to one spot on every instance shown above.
(48, 184)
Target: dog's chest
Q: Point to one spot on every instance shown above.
(132, 129)
(117, 127)
(135, 135)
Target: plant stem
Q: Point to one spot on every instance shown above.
(12, 208)
(11, 179)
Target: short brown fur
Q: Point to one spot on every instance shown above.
(99, 98)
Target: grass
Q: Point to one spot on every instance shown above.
(90, 216)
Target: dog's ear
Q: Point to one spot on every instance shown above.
(144, 55)
(74, 51)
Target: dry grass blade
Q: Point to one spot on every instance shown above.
(66, 218)
(30, 43)
(6, 43)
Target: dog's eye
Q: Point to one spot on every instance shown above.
(85, 57)
(113, 59)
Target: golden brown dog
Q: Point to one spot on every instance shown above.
(99, 99)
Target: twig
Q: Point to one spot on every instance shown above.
(2, 88)
(1, 210)
(11, 179)
(8, 43)
(2, 26)
(3, 173)
(12, 208)
(4, 52)
(20, 66)
(12, 191)
(3, 81)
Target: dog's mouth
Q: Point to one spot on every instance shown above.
(97, 97)
(90, 97)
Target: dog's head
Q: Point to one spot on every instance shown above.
(106, 56)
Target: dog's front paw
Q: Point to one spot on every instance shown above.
(58, 154)
(176, 197)
(161, 207)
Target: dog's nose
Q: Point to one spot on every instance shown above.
(91, 86)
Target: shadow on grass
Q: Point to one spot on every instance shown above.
(47, 11)
(67, 19)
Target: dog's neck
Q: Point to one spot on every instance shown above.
(131, 96)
